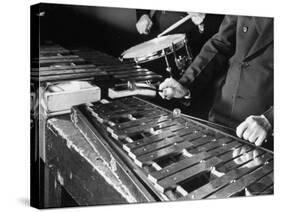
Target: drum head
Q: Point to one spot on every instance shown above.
(153, 46)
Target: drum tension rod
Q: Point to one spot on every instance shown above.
(174, 51)
(168, 69)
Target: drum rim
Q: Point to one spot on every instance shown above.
(157, 54)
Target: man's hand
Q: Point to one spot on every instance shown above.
(144, 24)
(242, 155)
(197, 18)
(254, 129)
(172, 89)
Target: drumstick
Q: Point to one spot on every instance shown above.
(133, 86)
(175, 25)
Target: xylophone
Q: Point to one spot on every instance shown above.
(56, 63)
(56, 66)
(176, 158)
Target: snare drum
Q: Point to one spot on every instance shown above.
(167, 55)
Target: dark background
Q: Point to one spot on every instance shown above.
(111, 30)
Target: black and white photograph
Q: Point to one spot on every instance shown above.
(140, 105)
(145, 105)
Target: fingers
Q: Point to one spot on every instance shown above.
(168, 93)
(255, 153)
(142, 28)
(241, 128)
(197, 18)
(165, 84)
(235, 154)
(144, 24)
(148, 27)
(171, 89)
(260, 139)
(253, 137)
(241, 155)
(254, 129)
(169, 82)
(162, 94)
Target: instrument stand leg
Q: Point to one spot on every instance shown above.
(188, 52)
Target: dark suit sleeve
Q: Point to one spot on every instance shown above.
(269, 115)
(139, 13)
(213, 57)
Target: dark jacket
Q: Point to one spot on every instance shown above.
(163, 19)
(246, 44)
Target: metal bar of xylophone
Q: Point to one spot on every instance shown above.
(175, 157)
(56, 63)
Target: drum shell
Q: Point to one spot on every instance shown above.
(159, 65)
